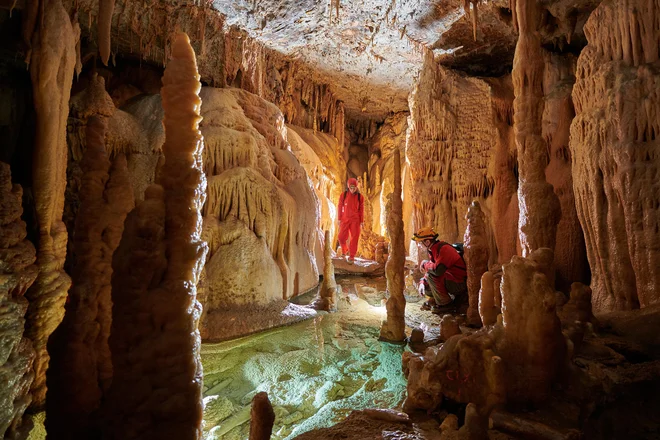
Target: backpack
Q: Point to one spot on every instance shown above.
(459, 248)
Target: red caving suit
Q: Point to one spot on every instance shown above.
(350, 213)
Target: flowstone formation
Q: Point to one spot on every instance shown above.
(261, 217)
(17, 273)
(157, 381)
(51, 69)
(615, 153)
(516, 360)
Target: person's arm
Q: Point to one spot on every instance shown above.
(436, 266)
(361, 207)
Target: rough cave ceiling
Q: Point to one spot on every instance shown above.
(371, 50)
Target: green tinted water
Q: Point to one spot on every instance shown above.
(314, 372)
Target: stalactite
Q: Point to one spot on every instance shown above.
(393, 329)
(52, 66)
(17, 257)
(104, 26)
(28, 25)
(81, 368)
(156, 269)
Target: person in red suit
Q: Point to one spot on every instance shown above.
(445, 274)
(350, 213)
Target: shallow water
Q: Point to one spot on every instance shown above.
(315, 372)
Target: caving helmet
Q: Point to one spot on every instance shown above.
(425, 233)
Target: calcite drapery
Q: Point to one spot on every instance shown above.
(539, 206)
(614, 142)
(81, 367)
(476, 258)
(156, 387)
(51, 69)
(17, 273)
(393, 329)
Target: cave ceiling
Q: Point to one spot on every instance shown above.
(372, 50)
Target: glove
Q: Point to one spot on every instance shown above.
(422, 266)
(420, 289)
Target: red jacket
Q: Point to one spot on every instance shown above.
(351, 207)
(445, 254)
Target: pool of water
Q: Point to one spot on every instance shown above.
(315, 372)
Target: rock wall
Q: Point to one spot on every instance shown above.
(458, 144)
(17, 273)
(261, 217)
(615, 153)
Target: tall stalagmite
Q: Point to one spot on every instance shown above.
(51, 69)
(539, 206)
(476, 258)
(81, 368)
(393, 329)
(157, 382)
(616, 154)
(17, 273)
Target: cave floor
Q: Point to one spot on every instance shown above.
(315, 372)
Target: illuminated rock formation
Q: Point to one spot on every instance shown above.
(532, 346)
(156, 388)
(476, 258)
(393, 329)
(327, 297)
(261, 215)
(516, 360)
(17, 273)
(52, 64)
(540, 210)
(488, 309)
(81, 367)
(615, 153)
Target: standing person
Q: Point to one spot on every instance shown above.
(350, 213)
(445, 273)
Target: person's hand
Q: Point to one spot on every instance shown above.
(422, 266)
(420, 288)
(362, 225)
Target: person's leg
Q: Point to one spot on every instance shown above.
(457, 290)
(343, 235)
(439, 291)
(355, 237)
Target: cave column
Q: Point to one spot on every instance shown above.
(393, 329)
(539, 206)
(52, 65)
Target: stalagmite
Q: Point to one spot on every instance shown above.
(539, 206)
(328, 291)
(393, 329)
(17, 273)
(81, 368)
(51, 70)
(533, 345)
(449, 327)
(104, 28)
(476, 258)
(488, 311)
(578, 307)
(262, 417)
(156, 388)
